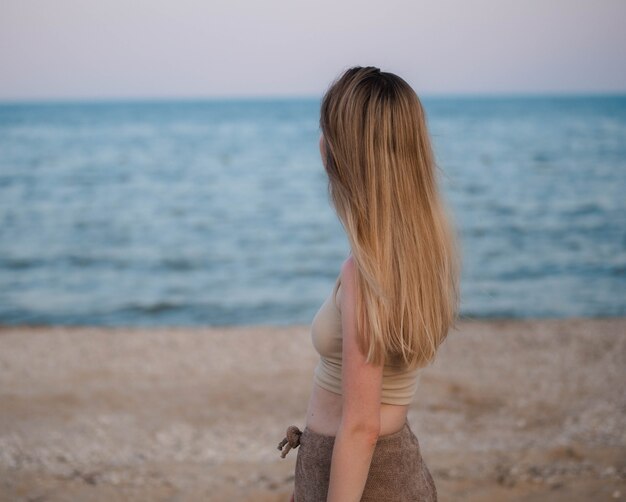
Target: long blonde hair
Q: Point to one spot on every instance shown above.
(382, 183)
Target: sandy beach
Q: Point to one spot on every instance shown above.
(529, 410)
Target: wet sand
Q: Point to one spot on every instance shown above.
(530, 410)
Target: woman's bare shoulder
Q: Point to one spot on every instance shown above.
(346, 274)
(346, 290)
(348, 269)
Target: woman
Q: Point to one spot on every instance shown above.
(392, 305)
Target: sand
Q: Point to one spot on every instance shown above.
(528, 410)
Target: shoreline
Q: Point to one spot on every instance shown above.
(203, 327)
(515, 409)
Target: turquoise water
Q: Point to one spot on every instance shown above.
(216, 212)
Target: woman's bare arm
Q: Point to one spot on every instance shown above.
(359, 429)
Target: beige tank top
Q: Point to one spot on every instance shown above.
(399, 384)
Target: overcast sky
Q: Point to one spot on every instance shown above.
(185, 48)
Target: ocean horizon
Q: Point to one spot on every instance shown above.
(195, 211)
(300, 97)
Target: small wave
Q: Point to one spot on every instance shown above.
(155, 308)
(179, 264)
(21, 263)
(585, 209)
(541, 157)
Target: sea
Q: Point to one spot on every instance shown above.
(216, 212)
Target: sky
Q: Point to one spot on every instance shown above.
(73, 49)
